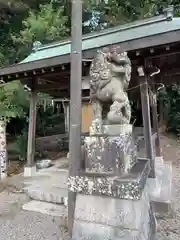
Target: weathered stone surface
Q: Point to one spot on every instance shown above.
(112, 200)
(101, 218)
(46, 208)
(44, 163)
(117, 129)
(112, 212)
(129, 186)
(51, 143)
(111, 153)
(94, 231)
(159, 188)
(166, 194)
(30, 171)
(47, 194)
(110, 74)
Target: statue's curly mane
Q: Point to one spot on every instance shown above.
(104, 66)
(99, 72)
(110, 73)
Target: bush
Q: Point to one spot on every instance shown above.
(171, 99)
(21, 145)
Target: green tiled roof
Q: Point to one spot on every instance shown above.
(120, 34)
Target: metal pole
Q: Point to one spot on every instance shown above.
(75, 103)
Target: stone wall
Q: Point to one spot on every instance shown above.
(52, 143)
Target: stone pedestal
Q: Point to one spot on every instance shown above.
(112, 196)
(112, 219)
(113, 150)
(113, 208)
(30, 171)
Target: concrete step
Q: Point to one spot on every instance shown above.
(50, 194)
(49, 209)
(160, 187)
(53, 177)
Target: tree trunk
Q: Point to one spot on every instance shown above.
(3, 150)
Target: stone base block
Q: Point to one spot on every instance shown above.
(95, 231)
(47, 194)
(51, 209)
(3, 176)
(117, 129)
(29, 171)
(108, 218)
(112, 151)
(159, 188)
(128, 186)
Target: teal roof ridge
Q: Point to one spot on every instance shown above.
(119, 34)
(111, 30)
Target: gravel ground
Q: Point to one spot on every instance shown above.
(169, 225)
(25, 225)
(16, 224)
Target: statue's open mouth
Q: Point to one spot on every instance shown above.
(118, 61)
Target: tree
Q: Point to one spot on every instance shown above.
(12, 12)
(46, 26)
(99, 14)
(113, 12)
(13, 99)
(171, 100)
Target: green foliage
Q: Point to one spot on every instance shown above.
(49, 121)
(171, 99)
(13, 100)
(113, 12)
(46, 26)
(21, 145)
(12, 12)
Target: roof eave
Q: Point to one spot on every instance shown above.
(135, 44)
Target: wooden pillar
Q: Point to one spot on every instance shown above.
(146, 119)
(161, 113)
(75, 104)
(155, 122)
(32, 129)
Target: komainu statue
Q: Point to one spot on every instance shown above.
(110, 74)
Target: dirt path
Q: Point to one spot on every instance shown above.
(169, 225)
(26, 225)
(170, 148)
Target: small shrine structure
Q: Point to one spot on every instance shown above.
(150, 50)
(149, 42)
